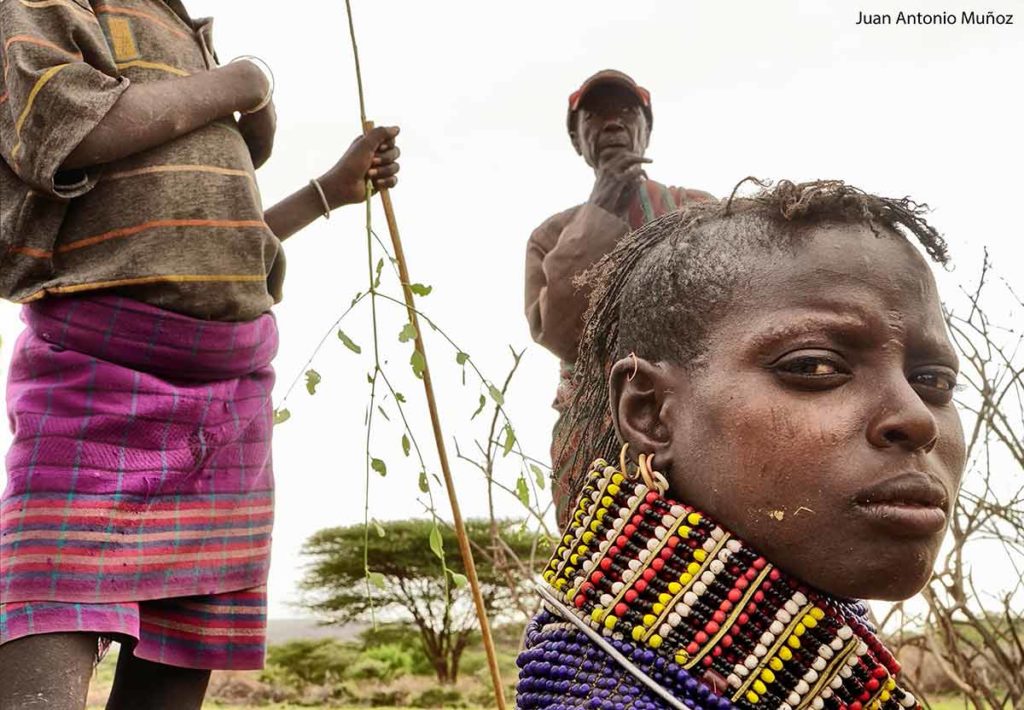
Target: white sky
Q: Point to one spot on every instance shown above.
(790, 88)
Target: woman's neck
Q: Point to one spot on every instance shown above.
(649, 572)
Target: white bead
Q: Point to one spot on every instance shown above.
(783, 616)
(818, 704)
(666, 629)
(909, 701)
(717, 534)
(802, 687)
(777, 627)
(699, 588)
(791, 607)
(836, 683)
(724, 555)
(819, 664)
(684, 612)
(785, 706)
(659, 532)
(717, 566)
(595, 496)
(618, 524)
(690, 598)
(760, 650)
(674, 619)
(845, 672)
(767, 639)
(634, 565)
(652, 544)
(587, 565)
(631, 502)
(793, 699)
(743, 671)
(845, 633)
(799, 598)
(862, 648)
(677, 511)
(607, 599)
(751, 662)
(644, 554)
(617, 587)
(811, 675)
(734, 545)
(709, 545)
(836, 644)
(708, 577)
(826, 652)
(734, 680)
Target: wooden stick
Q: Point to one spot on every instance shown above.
(435, 420)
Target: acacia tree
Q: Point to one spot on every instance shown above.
(407, 581)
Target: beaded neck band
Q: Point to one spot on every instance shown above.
(652, 574)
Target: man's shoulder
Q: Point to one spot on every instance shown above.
(688, 194)
(553, 225)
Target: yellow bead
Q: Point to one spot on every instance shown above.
(549, 575)
(752, 697)
(693, 518)
(800, 629)
(569, 571)
(890, 684)
(664, 598)
(674, 588)
(885, 696)
(654, 641)
(597, 614)
(601, 513)
(810, 622)
(588, 537)
(700, 555)
(617, 478)
(785, 654)
(682, 657)
(685, 578)
(567, 539)
(574, 559)
(759, 687)
(793, 642)
(595, 526)
(767, 676)
(684, 531)
(775, 664)
(582, 549)
(817, 613)
(613, 489)
(610, 621)
(658, 608)
(607, 501)
(649, 620)
(693, 568)
(638, 633)
(559, 584)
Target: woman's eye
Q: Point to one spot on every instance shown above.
(940, 384)
(813, 371)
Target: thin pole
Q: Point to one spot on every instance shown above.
(435, 420)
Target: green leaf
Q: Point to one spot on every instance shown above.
(436, 545)
(281, 416)
(376, 579)
(419, 363)
(379, 466)
(399, 397)
(349, 343)
(459, 580)
(408, 333)
(406, 446)
(424, 483)
(483, 403)
(496, 394)
(523, 491)
(312, 380)
(355, 299)
(383, 413)
(538, 474)
(380, 267)
(510, 440)
(420, 289)
(462, 358)
(379, 528)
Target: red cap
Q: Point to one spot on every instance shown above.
(610, 76)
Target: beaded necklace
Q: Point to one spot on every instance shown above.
(697, 610)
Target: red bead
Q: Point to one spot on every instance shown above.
(606, 564)
(725, 606)
(872, 685)
(649, 574)
(719, 617)
(622, 540)
(735, 595)
(758, 596)
(700, 637)
(865, 696)
(742, 584)
(751, 608)
(631, 596)
(673, 541)
(630, 530)
(580, 601)
(707, 661)
(759, 563)
(597, 576)
(750, 574)
(735, 630)
(774, 575)
(652, 497)
(621, 609)
(712, 627)
(716, 651)
(693, 648)
(657, 564)
(665, 553)
(640, 586)
(856, 706)
(879, 672)
(726, 641)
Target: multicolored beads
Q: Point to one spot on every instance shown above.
(718, 623)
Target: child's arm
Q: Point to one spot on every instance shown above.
(372, 157)
(151, 114)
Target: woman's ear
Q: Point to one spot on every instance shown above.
(641, 394)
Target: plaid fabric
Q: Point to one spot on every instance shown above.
(140, 465)
(220, 631)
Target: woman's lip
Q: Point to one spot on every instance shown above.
(905, 520)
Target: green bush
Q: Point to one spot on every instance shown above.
(369, 669)
(303, 663)
(398, 659)
(439, 698)
(404, 636)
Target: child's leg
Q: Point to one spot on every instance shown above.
(50, 671)
(155, 686)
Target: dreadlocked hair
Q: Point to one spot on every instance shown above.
(659, 291)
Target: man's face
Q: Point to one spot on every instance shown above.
(610, 121)
(820, 425)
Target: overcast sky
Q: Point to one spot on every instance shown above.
(786, 89)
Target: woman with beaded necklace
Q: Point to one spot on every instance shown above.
(779, 368)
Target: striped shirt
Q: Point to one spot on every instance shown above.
(179, 226)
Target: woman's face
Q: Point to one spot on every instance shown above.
(819, 425)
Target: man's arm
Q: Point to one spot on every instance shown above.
(558, 251)
(370, 157)
(151, 114)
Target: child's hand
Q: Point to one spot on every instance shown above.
(258, 131)
(374, 157)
